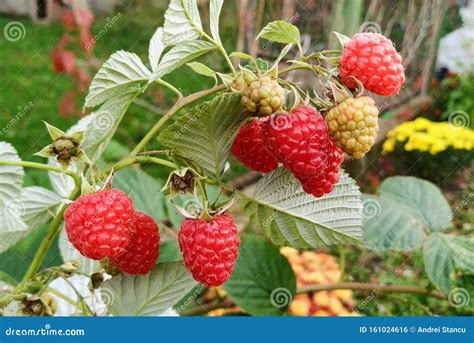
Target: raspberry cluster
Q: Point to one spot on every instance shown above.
(105, 225)
(300, 141)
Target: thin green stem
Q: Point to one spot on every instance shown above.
(376, 288)
(80, 299)
(41, 166)
(227, 58)
(131, 160)
(61, 295)
(300, 51)
(342, 260)
(170, 87)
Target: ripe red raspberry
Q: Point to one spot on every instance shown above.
(372, 59)
(141, 254)
(249, 149)
(298, 140)
(324, 182)
(98, 224)
(210, 248)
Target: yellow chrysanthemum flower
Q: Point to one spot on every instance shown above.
(423, 135)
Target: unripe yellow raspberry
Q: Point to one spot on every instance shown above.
(263, 97)
(354, 124)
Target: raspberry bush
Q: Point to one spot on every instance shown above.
(127, 232)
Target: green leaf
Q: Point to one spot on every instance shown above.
(11, 181)
(104, 122)
(215, 8)
(179, 55)
(68, 253)
(281, 31)
(204, 134)
(290, 217)
(390, 225)
(202, 69)
(182, 22)
(406, 206)
(462, 251)
(242, 56)
(156, 48)
(263, 282)
(5, 280)
(438, 261)
(148, 295)
(38, 205)
(144, 191)
(17, 259)
(170, 252)
(423, 200)
(120, 73)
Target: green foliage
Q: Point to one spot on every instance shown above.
(406, 206)
(16, 260)
(180, 55)
(289, 216)
(410, 213)
(122, 72)
(263, 283)
(158, 290)
(204, 134)
(143, 190)
(281, 31)
(169, 252)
